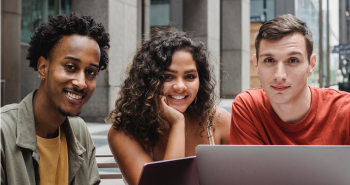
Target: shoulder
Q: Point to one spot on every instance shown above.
(8, 126)
(251, 95)
(222, 124)
(331, 96)
(221, 116)
(79, 128)
(9, 115)
(251, 100)
(77, 123)
(120, 140)
(119, 135)
(329, 92)
(7, 108)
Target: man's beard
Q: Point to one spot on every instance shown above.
(65, 113)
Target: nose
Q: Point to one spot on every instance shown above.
(179, 86)
(79, 81)
(280, 72)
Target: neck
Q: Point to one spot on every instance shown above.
(296, 110)
(47, 118)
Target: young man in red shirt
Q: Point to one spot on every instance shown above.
(286, 111)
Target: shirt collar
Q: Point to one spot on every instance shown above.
(26, 135)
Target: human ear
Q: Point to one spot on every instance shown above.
(312, 64)
(42, 67)
(255, 61)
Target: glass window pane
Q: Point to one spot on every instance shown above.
(65, 6)
(159, 13)
(36, 11)
(257, 8)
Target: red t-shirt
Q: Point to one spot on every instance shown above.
(327, 122)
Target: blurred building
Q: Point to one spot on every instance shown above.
(228, 27)
(344, 41)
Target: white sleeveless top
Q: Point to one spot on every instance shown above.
(211, 142)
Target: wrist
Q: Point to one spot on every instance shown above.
(178, 123)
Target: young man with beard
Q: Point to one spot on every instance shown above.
(286, 111)
(42, 140)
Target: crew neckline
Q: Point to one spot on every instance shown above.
(301, 124)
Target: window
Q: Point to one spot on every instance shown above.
(160, 13)
(35, 12)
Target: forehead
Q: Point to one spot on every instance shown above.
(290, 43)
(81, 47)
(182, 59)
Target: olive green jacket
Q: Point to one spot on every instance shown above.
(20, 154)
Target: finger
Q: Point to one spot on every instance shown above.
(163, 99)
(166, 100)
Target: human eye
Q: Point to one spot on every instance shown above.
(91, 72)
(293, 60)
(168, 77)
(190, 77)
(269, 60)
(70, 67)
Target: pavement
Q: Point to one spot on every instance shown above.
(99, 133)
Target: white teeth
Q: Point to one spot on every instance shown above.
(74, 96)
(178, 97)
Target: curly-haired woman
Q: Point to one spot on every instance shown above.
(166, 104)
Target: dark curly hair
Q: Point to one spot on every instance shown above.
(48, 34)
(137, 110)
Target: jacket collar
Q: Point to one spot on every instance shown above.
(26, 135)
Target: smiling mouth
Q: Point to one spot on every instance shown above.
(72, 95)
(178, 97)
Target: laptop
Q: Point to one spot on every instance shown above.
(170, 172)
(247, 164)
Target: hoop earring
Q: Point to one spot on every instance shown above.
(195, 100)
(41, 77)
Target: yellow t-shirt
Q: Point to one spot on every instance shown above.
(53, 165)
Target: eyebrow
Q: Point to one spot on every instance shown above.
(72, 58)
(289, 54)
(188, 71)
(78, 60)
(295, 53)
(266, 55)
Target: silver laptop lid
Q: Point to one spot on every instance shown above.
(247, 164)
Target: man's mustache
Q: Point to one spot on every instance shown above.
(73, 89)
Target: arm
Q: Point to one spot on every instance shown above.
(3, 174)
(130, 153)
(243, 131)
(93, 169)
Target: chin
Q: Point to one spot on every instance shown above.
(180, 109)
(68, 113)
(281, 100)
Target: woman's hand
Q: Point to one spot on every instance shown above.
(176, 139)
(171, 115)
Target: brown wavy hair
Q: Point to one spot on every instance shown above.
(137, 110)
(279, 27)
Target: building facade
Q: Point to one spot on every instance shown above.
(228, 27)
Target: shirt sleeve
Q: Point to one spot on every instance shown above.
(94, 174)
(243, 130)
(3, 174)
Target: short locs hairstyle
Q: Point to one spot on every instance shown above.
(281, 26)
(48, 34)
